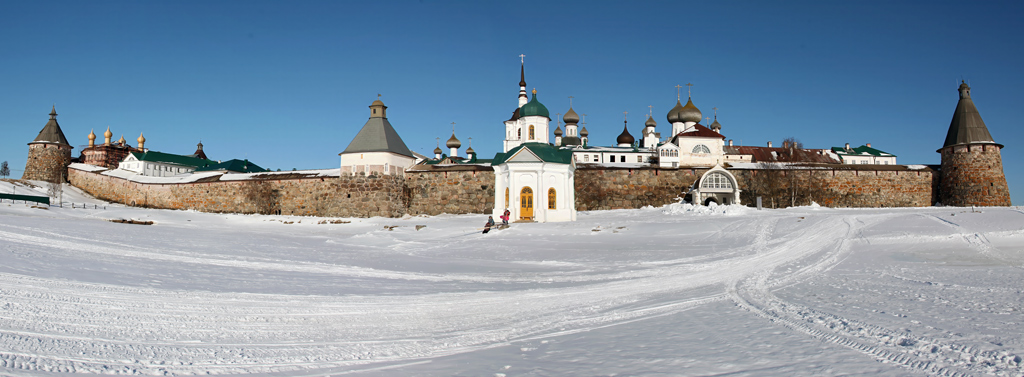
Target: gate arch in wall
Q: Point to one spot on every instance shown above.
(716, 185)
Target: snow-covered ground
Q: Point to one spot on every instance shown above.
(677, 290)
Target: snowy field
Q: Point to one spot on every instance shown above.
(669, 291)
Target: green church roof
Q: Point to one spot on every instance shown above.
(861, 151)
(235, 165)
(545, 152)
(534, 108)
(173, 159)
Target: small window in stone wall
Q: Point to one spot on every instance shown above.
(611, 158)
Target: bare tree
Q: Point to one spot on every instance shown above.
(765, 181)
(262, 195)
(5, 170)
(794, 142)
(55, 186)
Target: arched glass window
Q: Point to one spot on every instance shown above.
(716, 180)
(551, 198)
(532, 133)
(519, 133)
(701, 148)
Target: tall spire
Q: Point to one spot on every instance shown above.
(522, 81)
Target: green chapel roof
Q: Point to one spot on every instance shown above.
(545, 152)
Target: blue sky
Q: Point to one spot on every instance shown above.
(287, 84)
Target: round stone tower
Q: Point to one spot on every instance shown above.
(972, 166)
(49, 154)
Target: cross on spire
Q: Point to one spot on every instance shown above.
(570, 101)
(583, 118)
(716, 112)
(558, 117)
(677, 91)
(521, 59)
(438, 142)
(453, 128)
(706, 119)
(625, 114)
(688, 86)
(470, 141)
(651, 109)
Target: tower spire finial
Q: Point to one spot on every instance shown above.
(716, 112)
(522, 71)
(570, 101)
(650, 108)
(624, 116)
(688, 87)
(677, 92)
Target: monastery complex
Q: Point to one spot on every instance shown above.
(541, 174)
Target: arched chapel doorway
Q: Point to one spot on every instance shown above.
(526, 204)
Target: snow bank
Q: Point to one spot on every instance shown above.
(713, 209)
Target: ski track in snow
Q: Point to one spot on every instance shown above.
(67, 326)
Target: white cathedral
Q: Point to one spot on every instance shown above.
(534, 175)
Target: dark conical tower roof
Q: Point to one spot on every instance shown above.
(51, 132)
(377, 135)
(966, 126)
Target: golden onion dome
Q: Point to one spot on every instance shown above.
(689, 113)
(141, 139)
(453, 142)
(108, 134)
(92, 135)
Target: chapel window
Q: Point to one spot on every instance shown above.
(532, 133)
(551, 198)
(701, 148)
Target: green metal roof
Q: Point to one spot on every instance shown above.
(235, 165)
(173, 159)
(861, 150)
(534, 108)
(545, 152)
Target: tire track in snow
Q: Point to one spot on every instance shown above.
(144, 330)
(922, 354)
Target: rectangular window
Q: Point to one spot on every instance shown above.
(596, 158)
(611, 158)
(586, 158)
(639, 158)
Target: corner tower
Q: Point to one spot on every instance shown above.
(49, 154)
(972, 166)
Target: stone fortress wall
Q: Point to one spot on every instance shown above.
(472, 191)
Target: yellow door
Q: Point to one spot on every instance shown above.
(526, 204)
